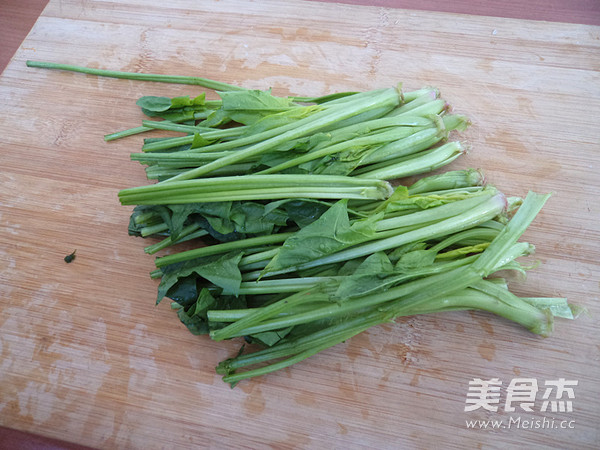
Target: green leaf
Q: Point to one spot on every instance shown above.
(185, 291)
(194, 318)
(280, 119)
(254, 218)
(558, 307)
(250, 106)
(177, 218)
(253, 100)
(376, 263)
(155, 104)
(223, 226)
(415, 259)
(180, 102)
(328, 234)
(199, 141)
(222, 271)
(216, 118)
(303, 212)
(367, 278)
(270, 338)
(199, 100)
(216, 215)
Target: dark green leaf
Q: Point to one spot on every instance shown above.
(367, 278)
(195, 318)
(221, 270)
(251, 217)
(185, 291)
(270, 338)
(302, 211)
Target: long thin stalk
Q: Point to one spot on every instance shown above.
(174, 79)
(221, 248)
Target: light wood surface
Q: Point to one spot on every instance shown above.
(87, 358)
(18, 16)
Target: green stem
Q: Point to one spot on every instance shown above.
(256, 187)
(494, 254)
(261, 314)
(176, 157)
(137, 130)
(160, 172)
(448, 180)
(221, 248)
(256, 257)
(167, 144)
(514, 308)
(235, 378)
(175, 79)
(288, 285)
(413, 143)
(154, 229)
(330, 193)
(426, 161)
(438, 213)
(330, 335)
(429, 95)
(185, 233)
(178, 127)
(421, 279)
(479, 214)
(360, 142)
(426, 109)
(296, 130)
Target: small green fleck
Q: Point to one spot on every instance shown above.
(69, 258)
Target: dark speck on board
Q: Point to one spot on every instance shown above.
(69, 258)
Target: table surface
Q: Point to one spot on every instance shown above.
(524, 69)
(18, 16)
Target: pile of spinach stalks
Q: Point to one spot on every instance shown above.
(288, 232)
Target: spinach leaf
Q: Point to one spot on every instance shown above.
(249, 106)
(154, 104)
(280, 119)
(194, 317)
(254, 218)
(367, 278)
(301, 211)
(253, 100)
(185, 291)
(330, 233)
(416, 259)
(221, 270)
(270, 338)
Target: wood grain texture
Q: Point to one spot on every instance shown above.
(85, 357)
(18, 16)
(16, 19)
(570, 11)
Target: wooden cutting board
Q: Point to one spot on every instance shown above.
(86, 357)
